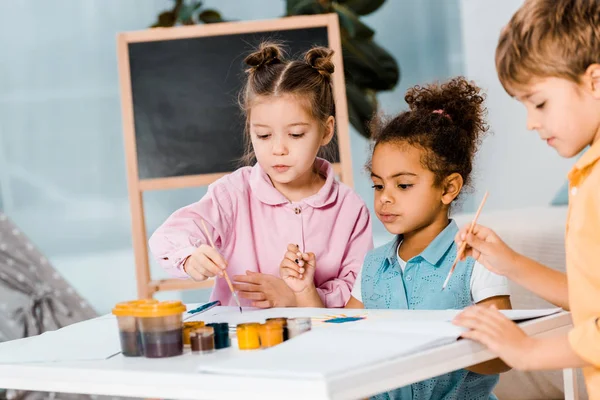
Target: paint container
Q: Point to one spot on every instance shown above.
(271, 334)
(222, 340)
(297, 326)
(248, 336)
(283, 323)
(189, 327)
(161, 328)
(203, 340)
(129, 334)
(194, 342)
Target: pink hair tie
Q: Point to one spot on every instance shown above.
(441, 112)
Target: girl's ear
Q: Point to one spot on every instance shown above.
(329, 131)
(452, 186)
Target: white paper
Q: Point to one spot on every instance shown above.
(521, 315)
(408, 327)
(321, 353)
(95, 339)
(381, 336)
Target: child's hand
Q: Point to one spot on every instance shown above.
(488, 249)
(264, 290)
(502, 336)
(298, 269)
(205, 262)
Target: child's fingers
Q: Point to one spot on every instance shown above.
(292, 265)
(480, 231)
(289, 272)
(294, 248)
(256, 296)
(478, 244)
(263, 304)
(482, 318)
(294, 258)
(481, 325)
(482, 338)
(196, 263)
(483, 232)
(462, 233)
(495, 315)
(214, 256)
(207, 266)
(470, 252)
(309, 258)
(190, 269)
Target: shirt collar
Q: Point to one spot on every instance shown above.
(263, 189)
(588, 158)
(436, 249)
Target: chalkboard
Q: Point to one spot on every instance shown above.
(185, 99)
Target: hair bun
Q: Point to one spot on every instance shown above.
(457, 100)
(267, 54)
(320, 59)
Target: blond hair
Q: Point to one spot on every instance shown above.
(549, 38)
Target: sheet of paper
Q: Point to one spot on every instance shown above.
(521, 315)
(320, 353)
(95, 339)
(417, 327)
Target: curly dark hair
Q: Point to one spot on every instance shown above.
(446, 120)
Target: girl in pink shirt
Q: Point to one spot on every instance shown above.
(289, 197)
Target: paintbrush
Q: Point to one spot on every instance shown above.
(224, 272)
(203, 308)
(463, 246)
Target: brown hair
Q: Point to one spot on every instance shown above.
(549, 38)
(309, 78)
(446, 121)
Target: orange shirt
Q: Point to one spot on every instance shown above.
(583, 263)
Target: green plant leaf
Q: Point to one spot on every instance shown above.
(362, 7)
(362, 105)
(166, 19)
(350, 22)
(368, 65)
(210, 16)
(304, 7)
(186, 12)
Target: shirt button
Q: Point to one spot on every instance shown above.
(573, 190)
(409, 278)
(297, 210)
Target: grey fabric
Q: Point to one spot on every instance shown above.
(34, 298)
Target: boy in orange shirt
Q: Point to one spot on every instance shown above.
(548, 58)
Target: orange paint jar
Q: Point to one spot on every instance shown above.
(271, 334)
(248, 336)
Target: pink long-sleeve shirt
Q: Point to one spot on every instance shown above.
(252, 224)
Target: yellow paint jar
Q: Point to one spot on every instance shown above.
(248, 336)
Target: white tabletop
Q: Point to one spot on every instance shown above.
(176, 378)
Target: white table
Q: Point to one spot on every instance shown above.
(175, 378)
